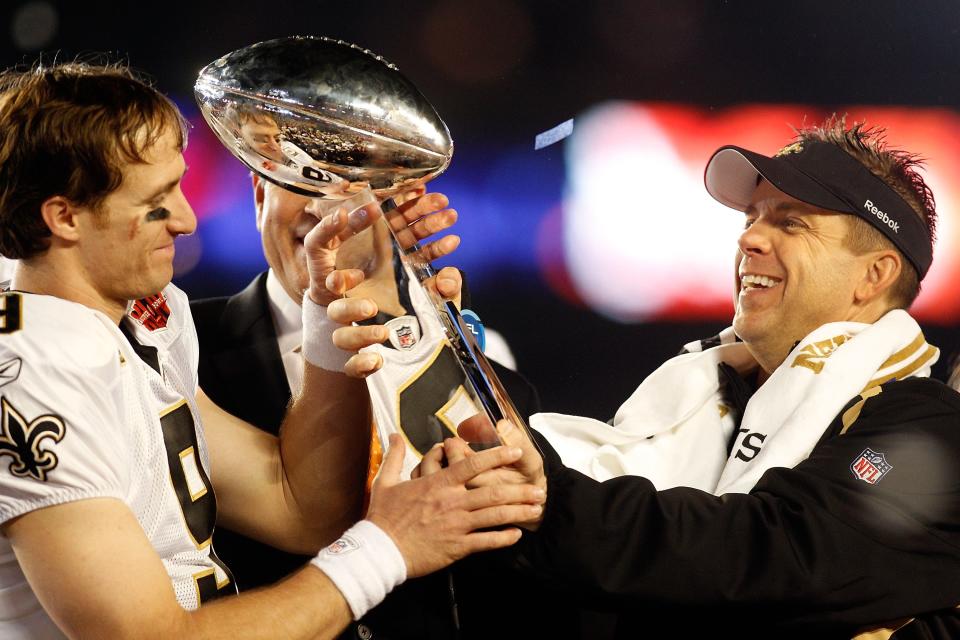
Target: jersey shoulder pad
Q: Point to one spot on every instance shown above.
(46, 329)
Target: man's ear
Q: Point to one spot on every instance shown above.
(258, 184)
(61, 217)
(883, 268)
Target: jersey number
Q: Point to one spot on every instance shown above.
(11, 315)
(194, 492)
(310, 173)
(424, 398)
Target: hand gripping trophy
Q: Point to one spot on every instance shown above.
(329, 120)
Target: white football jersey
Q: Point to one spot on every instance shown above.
(421, 391)
(6, 272)
(86, 416)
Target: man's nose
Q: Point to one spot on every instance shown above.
(183, 222)
(755, 239)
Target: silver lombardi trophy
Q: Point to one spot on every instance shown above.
(329, 120)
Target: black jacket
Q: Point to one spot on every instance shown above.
(242, 371)
(812, 551)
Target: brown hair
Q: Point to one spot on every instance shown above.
(68, 130)
(954, 380)
(899, 170)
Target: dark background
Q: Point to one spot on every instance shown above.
(499, 72)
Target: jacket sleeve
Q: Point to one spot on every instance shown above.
(812, 545)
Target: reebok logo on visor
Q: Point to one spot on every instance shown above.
(882, 216)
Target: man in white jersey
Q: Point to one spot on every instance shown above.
(107, 479)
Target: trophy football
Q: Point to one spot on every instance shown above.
(334, 122)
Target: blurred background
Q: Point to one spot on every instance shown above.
(599, 256)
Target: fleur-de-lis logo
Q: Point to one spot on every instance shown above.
(21, 441)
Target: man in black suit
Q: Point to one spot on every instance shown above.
(249, 361)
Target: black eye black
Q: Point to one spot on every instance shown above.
(160, 213)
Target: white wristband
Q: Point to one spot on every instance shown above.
(318, 348)
(364, 564)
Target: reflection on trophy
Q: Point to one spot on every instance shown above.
(332, 121)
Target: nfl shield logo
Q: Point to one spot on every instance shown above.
(343, 545)
(405, 337)
(404, 332)
(870, 466)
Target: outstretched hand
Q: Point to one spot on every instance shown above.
(437, 519)
(526, 470)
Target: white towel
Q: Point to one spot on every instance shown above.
(675, 428)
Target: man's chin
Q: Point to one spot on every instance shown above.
(153, 285)
(747, 328)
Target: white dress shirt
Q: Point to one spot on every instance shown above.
(288, 322)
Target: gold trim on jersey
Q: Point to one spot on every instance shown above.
(226, 571)
(191, 452)
(183, 518)
(441, 412)
(203, 574)
(416, 376)
(196, 582)
(174, 407)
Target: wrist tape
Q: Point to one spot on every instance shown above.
(364, 564)
(318, 348)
